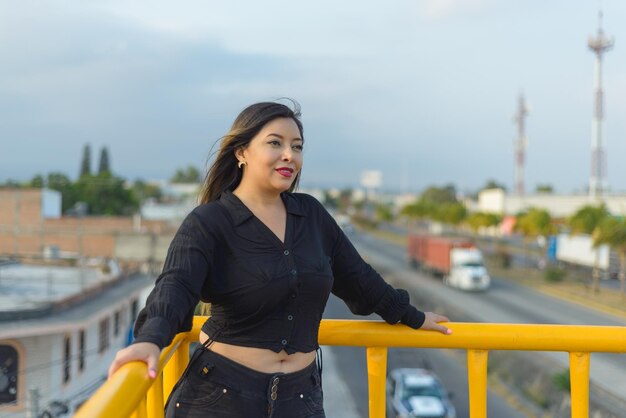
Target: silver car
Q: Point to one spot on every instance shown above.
(417, 393)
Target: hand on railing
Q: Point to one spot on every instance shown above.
(432, 323)
(147, 352)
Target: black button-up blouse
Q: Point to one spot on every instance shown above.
(264, 293)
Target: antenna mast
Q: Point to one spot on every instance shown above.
(520, 144)
(597, 182)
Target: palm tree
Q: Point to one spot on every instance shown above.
(612, 231)
(450, 213)
(416, 212)
(535, 222)
(85, 165)
(479, 220)
(587, 220)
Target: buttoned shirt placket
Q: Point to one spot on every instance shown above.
(292, 276)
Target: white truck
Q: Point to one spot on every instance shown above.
(578, 250)
(457, 260)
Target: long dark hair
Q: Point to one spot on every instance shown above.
(224, 173)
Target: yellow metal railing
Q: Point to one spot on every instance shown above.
(130, 393)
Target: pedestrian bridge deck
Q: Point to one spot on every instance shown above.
(130, 393)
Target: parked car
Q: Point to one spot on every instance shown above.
(417, 393)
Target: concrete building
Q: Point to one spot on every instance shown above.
(60, 328)
(31, 225)
(560, 206)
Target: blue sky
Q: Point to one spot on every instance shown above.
(422, 90)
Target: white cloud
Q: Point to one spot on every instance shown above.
(434, 81)
(278, 27)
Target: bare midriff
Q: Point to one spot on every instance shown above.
(261, 359)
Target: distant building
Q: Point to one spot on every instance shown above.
(29, 206)
(179, 191)
(60, 328)
(169, 212)
(31, 225)
(497, 201)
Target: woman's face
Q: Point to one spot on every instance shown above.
(274, 156)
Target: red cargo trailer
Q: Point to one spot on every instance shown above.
(433, 253)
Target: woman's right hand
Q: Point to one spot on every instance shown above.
(149, 353)
(432, 322)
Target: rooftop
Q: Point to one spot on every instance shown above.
(62, 317)
(28, 291)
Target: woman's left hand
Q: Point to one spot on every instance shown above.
(432, 322)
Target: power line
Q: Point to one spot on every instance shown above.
(52, 363)
(48, 399)
(89, 387)
(65, 401)
(47, 365)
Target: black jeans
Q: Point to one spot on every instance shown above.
(214, 386)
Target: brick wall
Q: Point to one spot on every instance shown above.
(24, 232)
(20, 206)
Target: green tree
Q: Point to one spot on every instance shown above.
(437, 203)
(186, 175)
(60, 182)
(384, 212)
(104, 166)
(478, 220)
(544, 188)
(587, 220)
(105, 194)
(11, 184)
(38, 181)
(144, 191)
(450, 213)
(493, 184)
(439, 195)
(534, 223)
(612, 231)
(85, 165)
(419, 209)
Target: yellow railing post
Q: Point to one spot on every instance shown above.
(182, 358)
(579, 382)
(140, 411)
(175, 368)
(377, 380)
(477, 382)
(125, 393)
(155, 398)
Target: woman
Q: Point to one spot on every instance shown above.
(266, 259)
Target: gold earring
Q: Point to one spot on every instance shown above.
(241, 163)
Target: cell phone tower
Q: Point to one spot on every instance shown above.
(520, 144)
(597, 182)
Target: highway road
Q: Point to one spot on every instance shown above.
(448, 365)
(353, 369)
(522, 259)
(505, 302)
